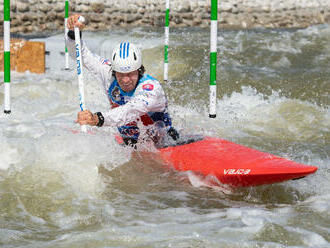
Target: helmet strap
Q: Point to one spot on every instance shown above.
(141, 71)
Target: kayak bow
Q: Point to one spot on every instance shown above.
(233, 164)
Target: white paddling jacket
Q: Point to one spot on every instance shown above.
(146, 104)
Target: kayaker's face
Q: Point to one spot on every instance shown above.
(127, 81)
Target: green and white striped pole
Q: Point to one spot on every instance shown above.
(213, 58)
(167, 32)
(6, 45)
(65, 32)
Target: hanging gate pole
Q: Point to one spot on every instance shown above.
(167, 23)
(213, 58)
(65, 33)
(6, 40)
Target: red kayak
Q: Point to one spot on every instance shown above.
(231, 163)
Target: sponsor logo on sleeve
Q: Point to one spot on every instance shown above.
(148, 87)
(106, 62)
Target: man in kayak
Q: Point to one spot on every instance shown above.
(137, 100)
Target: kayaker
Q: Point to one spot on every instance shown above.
(137, 100)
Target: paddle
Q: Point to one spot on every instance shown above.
(80, 69)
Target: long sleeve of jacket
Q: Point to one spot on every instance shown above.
(149, 97)
(95, 64)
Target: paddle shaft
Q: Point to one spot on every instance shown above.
(80, 69)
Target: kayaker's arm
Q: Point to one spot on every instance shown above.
(149, 97)
(115, 117)
(94, 63)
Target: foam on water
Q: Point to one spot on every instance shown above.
(294, 119)
(9, 156)
(49, 173)
(40, 131)
(252, 118)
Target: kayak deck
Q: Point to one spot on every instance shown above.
(232, 164)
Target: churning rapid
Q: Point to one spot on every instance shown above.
(63, 188)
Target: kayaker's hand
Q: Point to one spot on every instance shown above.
(73, 22)
(86, 117)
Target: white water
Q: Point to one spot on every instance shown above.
(54, 192)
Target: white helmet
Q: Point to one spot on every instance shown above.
(126, 57)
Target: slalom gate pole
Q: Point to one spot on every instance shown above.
(80, 69)
(6, 45)
(167, 23)
(213, 58)
(65, 33)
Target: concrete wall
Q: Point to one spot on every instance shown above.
(48, 15)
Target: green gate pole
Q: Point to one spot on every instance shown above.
(167, 23)
(6, 41)
(65, 32)
(213, 58)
